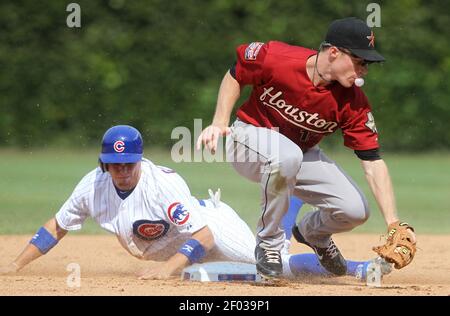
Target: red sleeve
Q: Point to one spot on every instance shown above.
(358, 128)
(249, 64)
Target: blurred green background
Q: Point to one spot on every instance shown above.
(158, 64)
(138, 61)
(35, 184)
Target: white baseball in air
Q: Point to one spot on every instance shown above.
(359, 82)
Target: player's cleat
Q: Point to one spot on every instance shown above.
(268, 262)
(385, 266)
(330, 257)
(372, 271)
(363, 269)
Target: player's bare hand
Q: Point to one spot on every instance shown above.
(9, 269)
(210, 136)
(156, 273)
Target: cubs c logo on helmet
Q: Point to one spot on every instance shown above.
(120, 140)
(150, 230)
(119, 146)
(178, 214)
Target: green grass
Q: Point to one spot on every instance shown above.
(33, 185)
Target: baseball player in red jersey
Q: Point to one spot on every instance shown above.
(299, 96)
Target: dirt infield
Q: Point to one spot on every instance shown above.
(107, 269)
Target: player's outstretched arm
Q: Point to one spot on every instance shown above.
(229, 93)
(192, 251)
(400, 246)
(377, 175)
(45, 239)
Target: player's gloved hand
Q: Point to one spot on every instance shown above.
(400, 246)
(210, 136)
(9, 269)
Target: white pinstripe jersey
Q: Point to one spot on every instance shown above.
(155, 220)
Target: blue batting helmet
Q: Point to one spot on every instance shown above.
(121, 144)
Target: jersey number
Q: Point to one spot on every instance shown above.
(304, 136)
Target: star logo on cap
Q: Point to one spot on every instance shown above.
(371, 39)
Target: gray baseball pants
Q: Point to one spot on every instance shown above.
(281, 168)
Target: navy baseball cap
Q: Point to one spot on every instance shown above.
(354, 35)
(121, 144)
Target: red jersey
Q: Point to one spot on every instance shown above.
(284, 97)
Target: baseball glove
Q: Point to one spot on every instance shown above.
(400, 247)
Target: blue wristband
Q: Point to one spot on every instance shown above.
(43, 240)
(193, 249)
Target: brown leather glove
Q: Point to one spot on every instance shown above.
(400, 247)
